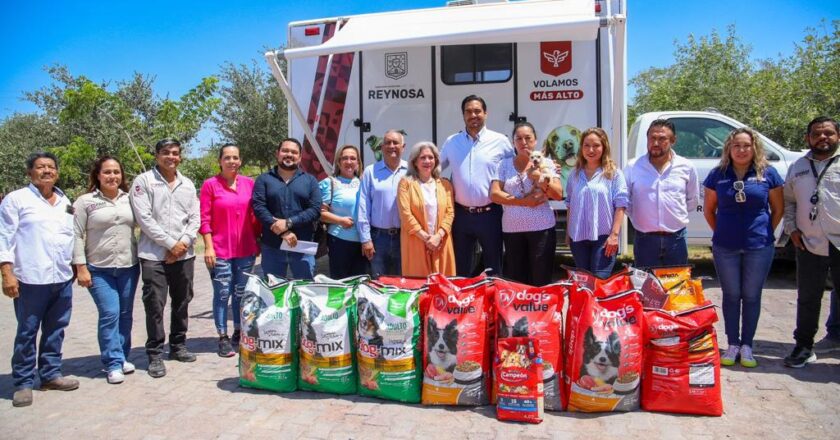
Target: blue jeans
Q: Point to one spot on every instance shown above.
(227, 273)
(113, 293)
(45, 307)
(832, 324)
(277, 263)
(589, 255)
(654, 250)
(386, 258)
(742, 273)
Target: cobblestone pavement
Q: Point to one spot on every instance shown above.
(203, 400)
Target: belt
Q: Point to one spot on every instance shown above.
(389, 231)
(657, 233)
(476, 209)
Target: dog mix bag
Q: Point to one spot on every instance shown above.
(603, 350)
(519, 380)
(456, 353)
(682, 362)
(535, 312)
(268, 347)
(388, 335)
(327, 322)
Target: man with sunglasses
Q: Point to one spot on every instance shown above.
(812, 207)
(663, 188)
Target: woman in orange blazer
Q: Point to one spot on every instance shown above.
(426, 210)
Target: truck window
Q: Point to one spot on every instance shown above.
(700, 138)
(633, 137)
(476, 63)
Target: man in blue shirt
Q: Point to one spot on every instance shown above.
(287, 202)
(379, 218)
(474, 155)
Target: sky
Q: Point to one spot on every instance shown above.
(178, 43)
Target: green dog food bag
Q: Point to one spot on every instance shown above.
(388, 338)
(268, 348)
(328, 318)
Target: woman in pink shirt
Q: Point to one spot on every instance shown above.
(230, 232)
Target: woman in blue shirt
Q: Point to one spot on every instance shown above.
(340, 198)
(596, 198)
(743, 204)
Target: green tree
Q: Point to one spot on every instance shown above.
(253, 112)
(20, 135)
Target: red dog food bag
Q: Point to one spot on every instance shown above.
(682, 362)
(518, 367)
(535, 312)
(456, 343)
(617, 282)
(603, 351)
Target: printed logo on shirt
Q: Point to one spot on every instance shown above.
(138, 190)
(94, 206)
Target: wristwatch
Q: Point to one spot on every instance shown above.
(289, 224)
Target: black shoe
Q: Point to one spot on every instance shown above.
(225, 349)
(234, 339)
(181, 354)
(800, 357)
(156, 368)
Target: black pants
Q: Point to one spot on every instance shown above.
(529, 256)
(158, 278)
(811, 273)
(346, 258)
(484, 228)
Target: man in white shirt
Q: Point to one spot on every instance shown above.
(474, 155)
(36, 246)
(663, 188)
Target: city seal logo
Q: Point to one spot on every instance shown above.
(556, 57)
(396, 64)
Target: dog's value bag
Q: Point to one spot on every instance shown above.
(456, 351)
(682, 362)
(327, 351)
(617, 282)
(603, 351)
(388, 350)
(519, 380)
(268, 347)
(536, 312)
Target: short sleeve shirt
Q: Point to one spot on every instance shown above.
(744, 225)
(342, 195)
(522, 218)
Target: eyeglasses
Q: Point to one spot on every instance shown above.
(740, 196)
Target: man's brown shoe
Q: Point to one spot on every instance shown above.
(60, 383)
(22, 397)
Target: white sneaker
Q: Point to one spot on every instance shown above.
(128, 367)
(115, 377)
(729, 356)
(747, 359)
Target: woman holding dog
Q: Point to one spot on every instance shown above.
(427, 209)
(230, 231)
(596, 198)
(105, 256)
(743, 204)
(340, 209)
(523, 187)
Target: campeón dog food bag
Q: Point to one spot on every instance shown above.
(519, 380)
(536, 312)
(682, 362)
(603, 351)
(268, 347)
(388, 349)
(456, 351)
(327, 323)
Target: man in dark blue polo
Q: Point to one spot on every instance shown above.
(287, 202)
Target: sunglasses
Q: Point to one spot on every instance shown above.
(740, 196)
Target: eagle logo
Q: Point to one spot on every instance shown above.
(556, 57)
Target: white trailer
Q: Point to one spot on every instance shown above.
(560, 65)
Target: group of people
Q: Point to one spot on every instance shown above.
(400, 217)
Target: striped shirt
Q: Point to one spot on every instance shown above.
(592, 203)
(519, 185)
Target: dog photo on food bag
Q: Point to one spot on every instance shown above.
(519, 328)
(370, 319)
(601, 358)
(442, 347)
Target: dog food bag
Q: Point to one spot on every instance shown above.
(603, 351)
(327, 322)
(456, 353)
(388, 348)
(268, 347)
(670, 276)
(519, 380)
(617, 282)
(654, 295)
(536, 312)
(682, 362)
(413, 283)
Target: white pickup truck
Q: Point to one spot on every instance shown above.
(700, 138)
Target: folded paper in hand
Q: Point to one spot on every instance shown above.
(303, 247)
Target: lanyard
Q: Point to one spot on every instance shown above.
(815, 197)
